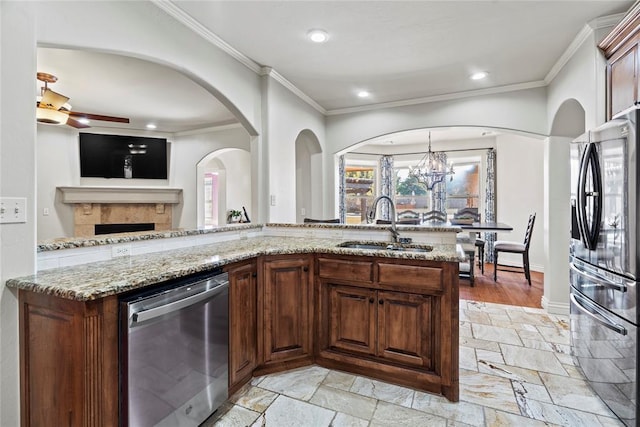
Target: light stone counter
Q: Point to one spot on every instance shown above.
(100, 279)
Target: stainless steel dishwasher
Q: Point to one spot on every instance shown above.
(174, 352)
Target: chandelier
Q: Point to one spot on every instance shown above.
(431, 169)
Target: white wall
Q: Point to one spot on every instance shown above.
(520, 192)
(581, 79)
(287, 117)
(58, 162)
(17, 179)
(59, 165)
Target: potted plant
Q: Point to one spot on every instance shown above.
(234, 216)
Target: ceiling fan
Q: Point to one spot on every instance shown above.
(53, 108)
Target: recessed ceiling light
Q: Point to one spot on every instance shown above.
(318, 36)
(84, 120)
(479, 75)
(151, 126)
(363, 94)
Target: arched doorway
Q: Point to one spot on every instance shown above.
(308, 172)
(223, 184)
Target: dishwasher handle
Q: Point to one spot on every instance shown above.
(152, 313)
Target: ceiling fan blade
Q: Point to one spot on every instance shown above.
(76, 124)
(51, 99)
(90, 116)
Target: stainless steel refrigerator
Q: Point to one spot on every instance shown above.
(604, 264)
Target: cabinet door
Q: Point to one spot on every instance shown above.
(405, 328)
(242, 322)
(623, 81)
(287, 322)
(352, 321)
(68, 361)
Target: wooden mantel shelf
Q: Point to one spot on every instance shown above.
(120, 195)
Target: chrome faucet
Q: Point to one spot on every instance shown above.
(371, 215)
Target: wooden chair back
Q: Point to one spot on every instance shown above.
(527, 234)
(435, 216)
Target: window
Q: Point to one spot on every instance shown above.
(360, 191)
(409, 194)
(464, 190)
(210, 199)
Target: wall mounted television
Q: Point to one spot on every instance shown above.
(119, 156)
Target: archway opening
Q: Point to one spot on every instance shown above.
(223, 186)
(308, 176)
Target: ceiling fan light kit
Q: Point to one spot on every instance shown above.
(50, 116)
(53, 108)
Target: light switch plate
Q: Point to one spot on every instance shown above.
(13, 210)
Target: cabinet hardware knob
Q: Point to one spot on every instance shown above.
(371, 300)
(254, 274)
(305, 268)
(381, 302)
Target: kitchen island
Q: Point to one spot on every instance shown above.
(387, 314)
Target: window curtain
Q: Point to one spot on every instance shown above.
(342, 193)
(439, 192)
(387, 184)
(490, 203)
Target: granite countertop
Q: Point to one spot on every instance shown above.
(108, 239)
(100, 279)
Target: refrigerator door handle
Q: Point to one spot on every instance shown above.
(596, 314)
(589, 222)
(621, 287)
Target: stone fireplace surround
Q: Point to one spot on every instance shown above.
(120, 205)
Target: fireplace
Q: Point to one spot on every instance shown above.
(120, 209)
(123, 228)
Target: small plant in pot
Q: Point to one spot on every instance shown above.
(234, 216)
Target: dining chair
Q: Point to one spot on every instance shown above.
(408, 214)
(515, 248)
(322, 221)
(479, 243)
(435, 216)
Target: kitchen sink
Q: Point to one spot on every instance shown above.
(385, 246)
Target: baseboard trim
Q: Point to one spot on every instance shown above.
(555, 307)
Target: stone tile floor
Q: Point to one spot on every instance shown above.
(515, 370)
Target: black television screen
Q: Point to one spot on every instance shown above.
(118, 156)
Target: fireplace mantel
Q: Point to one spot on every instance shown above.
(121, 195)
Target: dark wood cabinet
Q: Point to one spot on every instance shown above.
(391, 325)
(242, 323)
(68, 361)
(286, 308)
(399, 323)
(620, 47)
(352, 319)
(392, 319)
(405, 328)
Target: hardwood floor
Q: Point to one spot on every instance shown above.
(511, 288)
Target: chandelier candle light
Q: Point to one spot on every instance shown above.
(431, 170)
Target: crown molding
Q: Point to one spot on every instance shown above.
(268, 71)
(439, 98)
(195, 26)
(584, 34)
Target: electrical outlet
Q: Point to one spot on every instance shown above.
(121, 250)
(272, 199)
(45, 211)
(243, 235)
(303, 211)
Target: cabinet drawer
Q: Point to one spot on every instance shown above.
(410, 276)
(345, 269)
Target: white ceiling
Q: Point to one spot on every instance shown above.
(397, 50)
